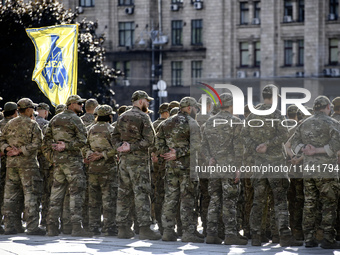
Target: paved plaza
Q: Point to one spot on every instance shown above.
(37, 245)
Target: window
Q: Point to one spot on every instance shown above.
(333, 51)
(244, 13)
(196, 70)
(117, 66)
(176, 73)
(177, 32)
(288, 51)
(126, 32)
(257, 10)
(301, 52)
(257, 54)
(127, 70)
(244, 55)
(334, 9)
(86, 3)
(177, 1)
(126, 2)
(196, 32)
(301, 11)
(288, 8)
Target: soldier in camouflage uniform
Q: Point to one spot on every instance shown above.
(336, 115)
(88, 117)
(45, 166)
(178, 140)
(158, 171)
(203, 196)
(318, 137)
(10, 112)
(295, 191)
(221, 145)
(21, 140)
(248, 190)
(133, 135)
(266, 144)
(100, 152)
(64, 138)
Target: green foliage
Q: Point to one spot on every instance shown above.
(17, 52)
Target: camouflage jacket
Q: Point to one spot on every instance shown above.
(24, 133)
(67, 127)
(180, 132)
(87, 118)
(272, 133)
(336, 116)
(41, 121)
(318, 130)
(135, 127)
(223, 142)
(156, 123)
(4, 121)
(99, 139)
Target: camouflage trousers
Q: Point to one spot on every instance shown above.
(295, 202)
(279, 188)
(224, 194)
(47, 170)
(248, 193)
(101, 196)
(325, 191)
(67, 176)
(2, 184)
(158, 182)
(29, 183)
(134, 185)
(179, 186)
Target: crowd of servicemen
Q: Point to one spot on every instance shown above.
(88, 175)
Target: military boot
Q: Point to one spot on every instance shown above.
(66, 229)
(199, 234)
(311, 243)
(256, 240)
(146, 233)
(37, 232)
(125, 232)
(213, 239)
(191, 237)
(275, 239)
(77, 230)
(52, 230)
(298, 234)
(289, 240)
(325, 244)
(169, 235)
(235, 240)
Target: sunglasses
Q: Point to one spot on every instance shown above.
(79, 103)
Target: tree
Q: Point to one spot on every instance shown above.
(18, 54)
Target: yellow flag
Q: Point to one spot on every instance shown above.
(56, 61)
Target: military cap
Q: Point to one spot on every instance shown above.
(43, 106)
(292, 109)
(173, 104)
(163, 108)
(268, 89)
(140, 94)
(321, 101)
(74, 99)
(60, 108)
(209, 100)
(188, 101)
(227, 99)
(95, 112)
(336, 101)
(10, 106)
(104, 110)
(91, 103)
(174, 111)
(26, 103)
(121, 109)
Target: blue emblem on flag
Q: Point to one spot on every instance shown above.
(54, 71)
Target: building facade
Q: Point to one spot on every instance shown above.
(247, 43)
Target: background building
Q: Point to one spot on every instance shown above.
(247, 43)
